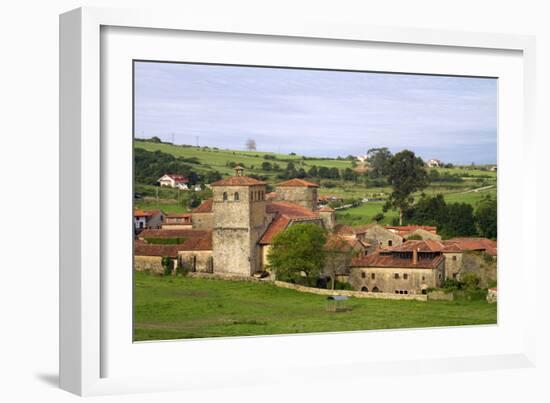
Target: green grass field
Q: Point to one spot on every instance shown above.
(212, 159)
(184, 307)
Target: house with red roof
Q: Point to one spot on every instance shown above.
(174, 181)
(147, 219)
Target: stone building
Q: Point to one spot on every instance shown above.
(298, 191)
(239, 208)
(378, 236)
(147, 219)
(177, 221)
(399, 270)
(202, 217)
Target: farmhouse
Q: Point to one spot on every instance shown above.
(434, 163)
(177, 221)
(151, 219)
(174, 181)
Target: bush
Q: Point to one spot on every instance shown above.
(340, 285)
(470, 281)
(182, 269)
(168, 265)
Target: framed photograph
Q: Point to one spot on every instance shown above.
(244, 197)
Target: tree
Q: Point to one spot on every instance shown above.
(459, 220)
(379, 161)
(486, 217)
(378, 217)
(297, 254)
(251, 144)
(155, 139)
(406, 175)
(338, 256)
(312, 172)
(266, 166)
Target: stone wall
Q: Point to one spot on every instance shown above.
(485, 266)
(383, 279)
(329, 219)
(453, 265)
(301, 195)
(203, 221)
(199, 261)
(356, 294)
(152, 264)
(377, 235)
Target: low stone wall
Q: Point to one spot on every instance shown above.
(347, 293)
(440, 296)
(225, 276)
(152, 264)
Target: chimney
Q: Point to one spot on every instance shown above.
(239, 170)
(415, 256)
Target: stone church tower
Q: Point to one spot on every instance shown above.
(298, 191)
(239, 209)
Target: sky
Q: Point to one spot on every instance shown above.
(316, 112)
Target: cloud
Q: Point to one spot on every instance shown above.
(319, 113)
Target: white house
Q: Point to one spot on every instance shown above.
(174, 181)
(148, 219)
(433, 163)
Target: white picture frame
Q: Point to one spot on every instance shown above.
(87, 345)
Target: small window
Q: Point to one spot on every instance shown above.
(406, 292)
(397, 291)
(454, 257)
(454, 276)
(236, 196)
(396, 276)
(439, 276)
(390, 242)
(224, 196)
(363, 274)
(251, 196)
(405, 276)
(372, 276)
(423, 278)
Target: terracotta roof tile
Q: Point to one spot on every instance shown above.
(297, 183)
(403, 229)
(277, 225)
(343, 229)
(174, 233)
(388, 260)
(480, 244)
(290, 209)
(204, 207)
(238, 181)
(145, 213)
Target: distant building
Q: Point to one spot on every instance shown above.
(177, 221)
(174, 181)
(362, 158)
(434, 163)
(148, 219)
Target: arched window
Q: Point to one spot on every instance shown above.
(224, 196)
(236, 195)
(365, 289)
(375, 289)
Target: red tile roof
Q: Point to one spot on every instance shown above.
(473, 244)
(290, 209)
(175, 233)
(271, 195)
(285, 212)
(193, 240)
(277, 225)
(297, 183)
(343, 229)
(403, 229)
(238, 181)
(178, 215)
(388, 260)
(145, 213)
(427, 245)
(204, 207)
(326, 209)
(178, 178)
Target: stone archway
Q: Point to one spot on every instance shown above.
(375, 289)
(364, 289)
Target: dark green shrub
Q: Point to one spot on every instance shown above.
(168, 265)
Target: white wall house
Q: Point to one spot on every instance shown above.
(148, 219)
(174, 181)
(433, 163)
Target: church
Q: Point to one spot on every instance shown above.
(232, 232)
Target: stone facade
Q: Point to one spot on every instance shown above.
(305, 196)
(329, 218)
(200, 261)
(378, 236)
(152, 264)
(239, 222)
(204, 221)
(397, 279)
(453, 265)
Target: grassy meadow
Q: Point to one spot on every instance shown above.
(185, 307)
